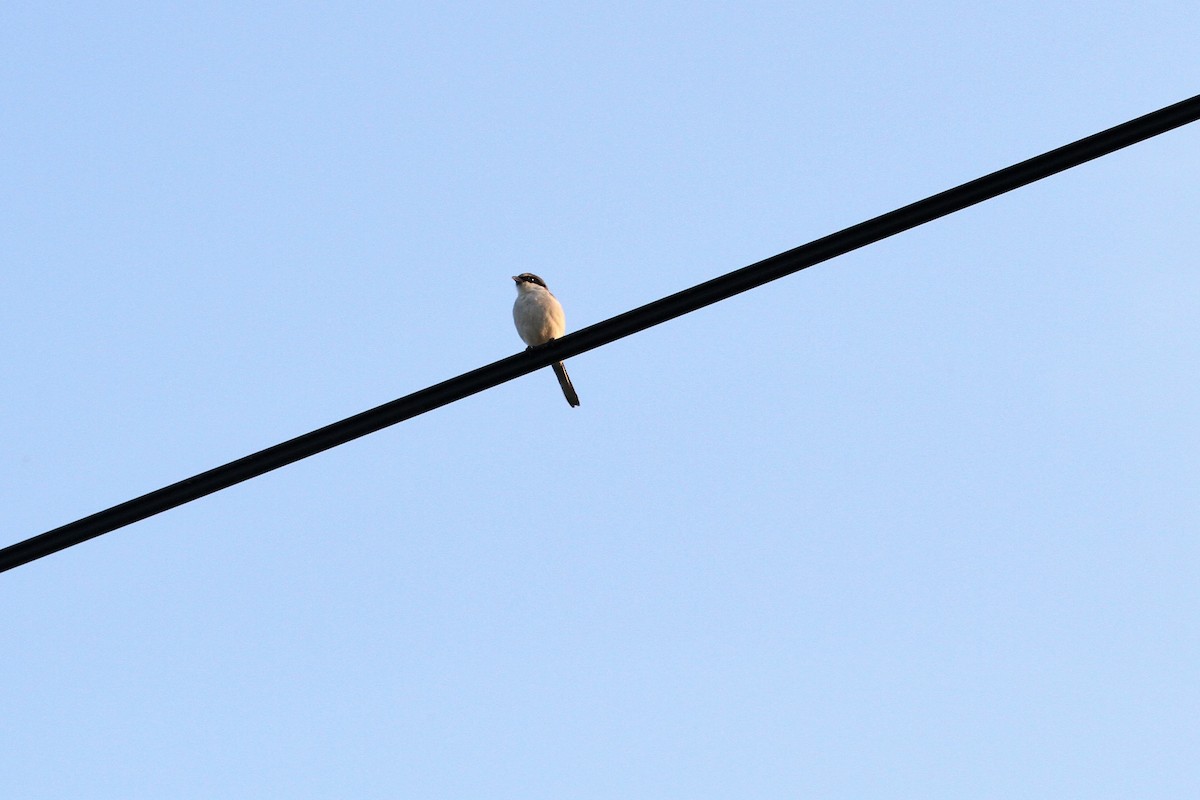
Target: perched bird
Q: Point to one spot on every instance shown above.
(539, 319)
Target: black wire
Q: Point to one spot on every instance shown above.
(603, 333)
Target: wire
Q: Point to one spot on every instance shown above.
(602, 333)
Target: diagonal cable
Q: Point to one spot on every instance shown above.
(602, 333)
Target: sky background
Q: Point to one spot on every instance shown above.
(917, 522)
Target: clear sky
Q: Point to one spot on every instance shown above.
(918, 522)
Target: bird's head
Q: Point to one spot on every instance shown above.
(527, 281)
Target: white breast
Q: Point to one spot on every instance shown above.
(538, 316)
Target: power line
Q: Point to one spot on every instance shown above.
(605, 332)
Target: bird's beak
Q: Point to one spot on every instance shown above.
(516, 279)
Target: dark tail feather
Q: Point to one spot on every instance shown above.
(560, 372)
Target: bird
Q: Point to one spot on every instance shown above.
(540, 320)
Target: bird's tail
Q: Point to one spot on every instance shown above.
(564, 381)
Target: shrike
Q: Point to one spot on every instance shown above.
(539, 319)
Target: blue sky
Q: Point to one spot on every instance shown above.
(918, 522)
